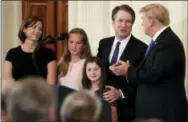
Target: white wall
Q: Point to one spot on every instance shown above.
(1, 41)
(11, 20)
(95, 18)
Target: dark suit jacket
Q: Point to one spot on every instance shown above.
(160, 79)
(134, 52)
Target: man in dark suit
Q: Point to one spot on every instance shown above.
(160, 77)
(123, 46)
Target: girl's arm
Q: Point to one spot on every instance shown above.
(7, 76)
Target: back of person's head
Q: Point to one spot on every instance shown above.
(30, 99)
(123, 7)
(157, 12)
(81, 106)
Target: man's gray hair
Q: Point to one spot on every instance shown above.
(29, 99)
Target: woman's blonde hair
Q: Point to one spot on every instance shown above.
(67, 56)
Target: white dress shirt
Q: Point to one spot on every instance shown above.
(158, 33)
(122, 46)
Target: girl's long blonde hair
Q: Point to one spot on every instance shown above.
(67, 56)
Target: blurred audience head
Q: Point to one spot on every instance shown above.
(30, 100)
(81, 106)
(147, 120)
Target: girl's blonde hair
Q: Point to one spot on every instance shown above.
(67, 56)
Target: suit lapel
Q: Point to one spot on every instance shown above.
(108, 48)
(158, 40)
(128, 49)
(155, 43)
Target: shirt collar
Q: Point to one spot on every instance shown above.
(158, 33)
(123, 41)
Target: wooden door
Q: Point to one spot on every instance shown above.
(55, 16)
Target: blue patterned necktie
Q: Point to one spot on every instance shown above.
(149, 47)
(115, 55)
